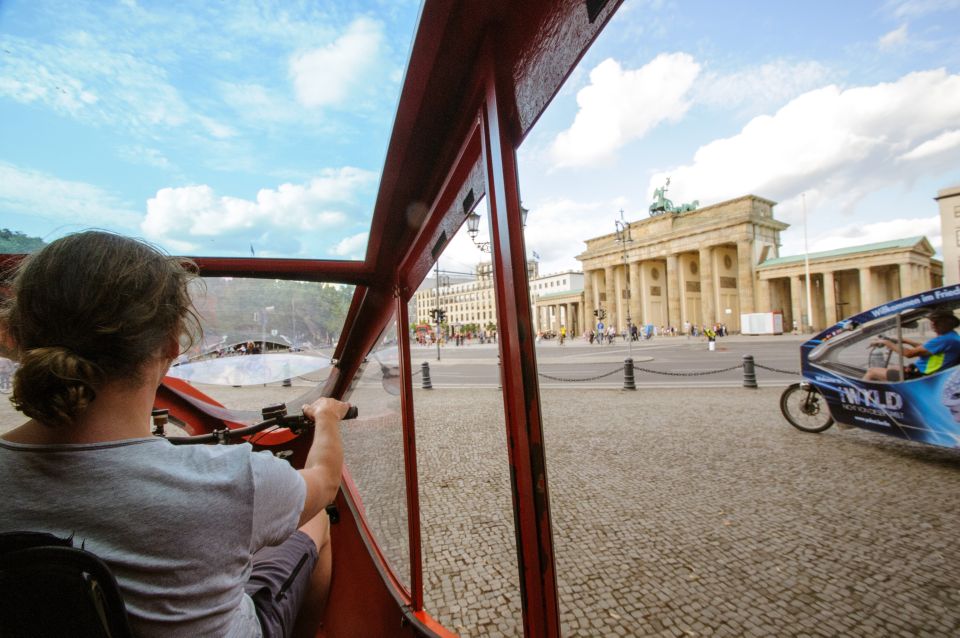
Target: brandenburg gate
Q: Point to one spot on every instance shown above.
(706, 266)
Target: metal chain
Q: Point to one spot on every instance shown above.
(552, 378)
(636, 368)
(698, 373)
(790, 372)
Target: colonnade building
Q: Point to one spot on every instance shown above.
(948, 200)
(709, 265)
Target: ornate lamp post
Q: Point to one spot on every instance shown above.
(473, 228)
(623, 238)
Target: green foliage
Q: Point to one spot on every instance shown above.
(15, 242)
(249, 309)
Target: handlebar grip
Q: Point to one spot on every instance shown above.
(351, 413)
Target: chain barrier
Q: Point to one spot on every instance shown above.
(790, 372)
(636, 368)
(698, 373)
(600, 376)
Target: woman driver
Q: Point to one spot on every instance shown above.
(201, 538)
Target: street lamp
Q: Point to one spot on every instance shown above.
(473, 228)
(623, 237)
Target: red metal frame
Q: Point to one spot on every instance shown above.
(521, 388)
(410, 455)
(438, 152)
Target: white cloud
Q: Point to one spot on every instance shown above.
(858, 234)
(353, 247)
(893, 39)
(943, 143)
(327, 76)
(35, 193)
(914, 8)
(843, 143)
(619, 106)
(257, 103)
(765, 86)
(145, 155)
(553, 224)
(191, 215)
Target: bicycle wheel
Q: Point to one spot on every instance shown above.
(805, 408)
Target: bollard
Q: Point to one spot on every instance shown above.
(425, 376)
(629, 383)
(749, 374)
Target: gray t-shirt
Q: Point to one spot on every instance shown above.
(176, 524)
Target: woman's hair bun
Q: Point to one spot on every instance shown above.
(54, 385)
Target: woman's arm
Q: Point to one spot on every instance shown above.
(321, 471)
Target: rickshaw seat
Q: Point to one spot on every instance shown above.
(49, 588)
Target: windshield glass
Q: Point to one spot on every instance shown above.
(220, 129)
(264, 341)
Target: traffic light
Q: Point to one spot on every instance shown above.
(442, 316)
(596, 313)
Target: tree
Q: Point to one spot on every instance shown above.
(15, 242)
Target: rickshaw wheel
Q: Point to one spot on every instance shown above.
(805, 408)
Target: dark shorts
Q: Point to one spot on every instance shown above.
(893, 374)
(279, 581)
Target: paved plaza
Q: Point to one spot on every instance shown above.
(676, 512)
(692, 513)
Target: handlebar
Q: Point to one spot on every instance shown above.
(273, 416)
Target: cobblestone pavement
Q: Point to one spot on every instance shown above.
(676, 512)
(680, 513)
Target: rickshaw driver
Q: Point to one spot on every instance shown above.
(203, 540)
(939, 353)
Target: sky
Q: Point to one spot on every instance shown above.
(231, 128)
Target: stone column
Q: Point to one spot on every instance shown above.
(746, 279)
(906, 280)
(673, 292)
(829, 299)
(708, 291)
(610, 285)
(643, 291)
(588, 288)
(797, 302)
(763, 296)
(866, 288)
(636, 294)
(620, 277)
(567, 313)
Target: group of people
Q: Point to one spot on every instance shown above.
(203, 540)
(459, 338)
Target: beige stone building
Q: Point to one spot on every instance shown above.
(846, 281)
(696, 267)
(949, 202)
(710, 265)
(557, 301)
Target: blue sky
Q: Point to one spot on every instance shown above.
(208, 129)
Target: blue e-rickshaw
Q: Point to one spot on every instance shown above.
(924, 407)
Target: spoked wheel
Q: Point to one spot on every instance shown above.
(805, 408)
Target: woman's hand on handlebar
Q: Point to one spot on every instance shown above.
(325, 408)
